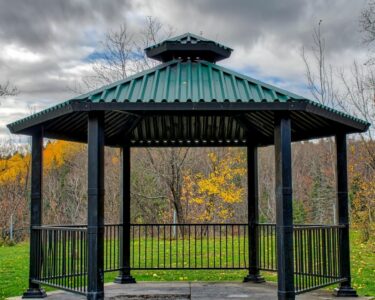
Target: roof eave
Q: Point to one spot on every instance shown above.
(22, 125)
(359, 126)
(353, 125)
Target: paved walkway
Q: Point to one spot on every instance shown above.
(192, 290)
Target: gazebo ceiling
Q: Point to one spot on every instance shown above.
(188, 101)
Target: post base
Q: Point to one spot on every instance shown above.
(345, 291)
(34, 293)
(286, 295)
(256, 278)
(95, 296)
(123, 279)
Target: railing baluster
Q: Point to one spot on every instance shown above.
(139, 246)
(164, 247)
(226, 245)
(80, 235)
(158, 245)
(133, 245)
(245, 246)
(239, 245)
(201, 245)
(72, 254)
(232, 248)
(183, 246)
(170, 246)
(220, 227)
(195, 245)
(175, 230)
(189, 244)
(152, 246)
(208, 245)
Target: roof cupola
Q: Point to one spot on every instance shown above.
(188, 47)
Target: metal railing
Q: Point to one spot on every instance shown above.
(112, 247)
(189, 246)
(61, 251)
(61, 257)
(180, 246)
(266, 251)
(316, 256)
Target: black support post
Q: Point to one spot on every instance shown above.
(345, 289)
(34, 290)
(253, 215)
(95, 228)
(124, 274)
(284, 208)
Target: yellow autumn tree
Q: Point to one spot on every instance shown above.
(14, 178)
(211, 196)
(56, 153)
(363, 190)
(14, 168)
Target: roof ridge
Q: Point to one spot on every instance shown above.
(180, 37)
(191, 35)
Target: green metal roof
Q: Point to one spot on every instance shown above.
(188, 81)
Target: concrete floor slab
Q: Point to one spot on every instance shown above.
(193, 290)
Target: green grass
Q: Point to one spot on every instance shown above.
(363, 265)
(14, 269)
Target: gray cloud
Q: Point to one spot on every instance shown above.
(39, 24)
(53, 38)
(244, 22)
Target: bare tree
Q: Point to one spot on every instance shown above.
(168, 165)
(359, 81)
(367, 26)
(121, 54)
(153, 33)
(355, 96)
(319, 74)
(7, 89)
(320, 82)
(359, 95)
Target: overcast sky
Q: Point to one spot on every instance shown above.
(44, 44)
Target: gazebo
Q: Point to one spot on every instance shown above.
(189, 101)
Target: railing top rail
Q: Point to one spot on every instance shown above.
(306, 225)
(190, 224)
(64, 225)
(317, 226)
(78, 228)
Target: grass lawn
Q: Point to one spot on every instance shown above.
(14, 270)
